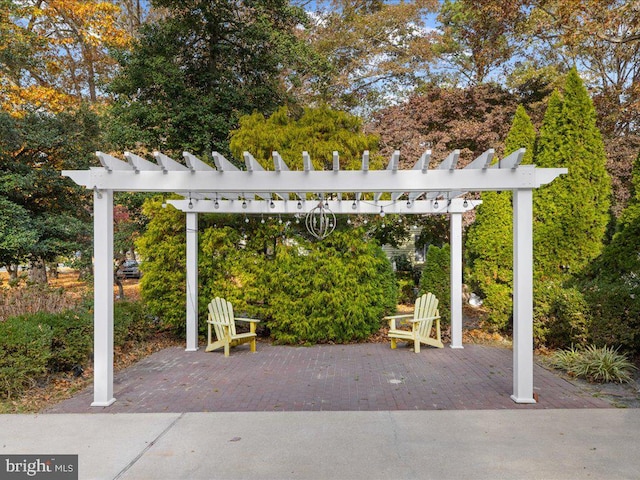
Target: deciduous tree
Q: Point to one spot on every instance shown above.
(55, 54)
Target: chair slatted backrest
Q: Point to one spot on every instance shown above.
(222, 311)
(426, 306)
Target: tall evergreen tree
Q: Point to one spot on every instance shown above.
(489, 245)
(193, 73)
(571, 214)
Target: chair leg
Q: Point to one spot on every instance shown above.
(416, 346)
(226, 349)
(253, 345)
(393, 343)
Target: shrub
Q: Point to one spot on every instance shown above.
(561, 315)
(614, 308)
(25, 350)
(163, 247)
(436, 279)
(499, 305)
(72, 337)
(131, 323)
(595, 364)
(407, 292)
(336, 290)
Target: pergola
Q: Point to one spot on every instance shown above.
(255, 191)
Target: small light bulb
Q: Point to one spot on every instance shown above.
(216, 205)
(272, 205)
(353, 205)
(244, 204)
(299, 205)
(382, 214)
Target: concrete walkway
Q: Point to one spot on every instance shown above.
(485, 444)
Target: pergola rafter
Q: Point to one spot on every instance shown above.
(258, 191)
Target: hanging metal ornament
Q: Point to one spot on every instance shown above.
(320, 221)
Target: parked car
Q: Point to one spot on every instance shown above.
(130, 269)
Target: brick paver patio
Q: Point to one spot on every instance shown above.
(327, 377)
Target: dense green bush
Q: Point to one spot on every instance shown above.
(35, 345)
(615, 314)
(132, 323)
(163, 248)
(572, 212)
(436, 279)
(406, 294)
(72, 337)
(499, 304)
(25, 351)
(336, 290)
(561, 315)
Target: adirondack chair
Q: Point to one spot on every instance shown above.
(421, 320)
(222, 321)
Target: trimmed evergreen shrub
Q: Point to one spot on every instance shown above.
(436, 279)
(489, 241)
(25, 350)
(163, 248)
(572, 212)
(615, 314)
(561, 315)
(72, 337)
(611, 283)
(338, 291)
(132, 323)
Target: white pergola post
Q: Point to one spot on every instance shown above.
(455, 240)
(523, 296)
(192, 282)
(103, 298)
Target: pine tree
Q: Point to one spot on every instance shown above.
(572, 212)
(489, 245)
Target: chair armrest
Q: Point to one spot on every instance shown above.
(415, 320)
(253, 320)
(393, 317)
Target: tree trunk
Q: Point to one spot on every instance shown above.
(53, 270)
(13, 272)
(38, 271)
